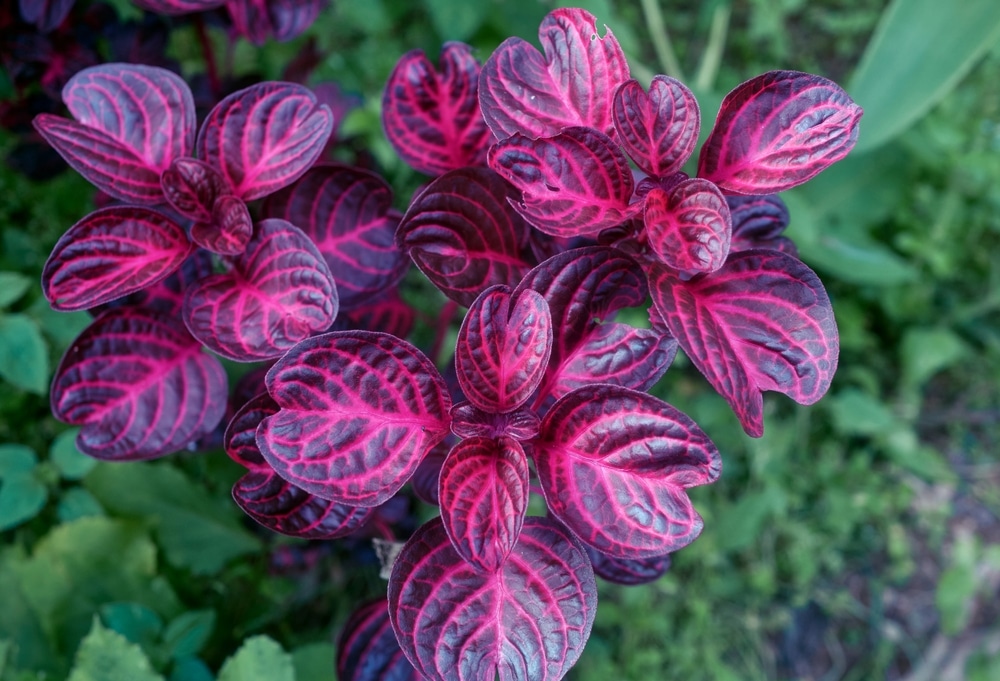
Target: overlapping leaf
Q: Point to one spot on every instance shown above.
(229, 229)
(762, 322)
(628, 572)
(347, 212)
(132, 121)
(139, 385)
(359, 410)
(367, 649)
(264, 137)
(261, 20)
(614, 465)
(463, 233)
(659, 130)
(528, 621)
(432, 118)
(690, 228)
(111, 253)
(758, 222)
(522, 91)
(778, 130)
(278, 292)
(192, 186)
(503, 348)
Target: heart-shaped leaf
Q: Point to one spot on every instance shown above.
(367, 649)
(778, 130)
(628, 572)
(278, 292)
(573, 184)
(132, 121)
(690, 228)
(139, 385)
(762, 322)
(228, 231)
(432, 117)
(264, 137)
(359, 410)
(759, 222)
(521, 91)
(468, 421)
(659, 130)
(463, 233)
(192, 186)
(111, 253)
(614, 465)
(484, 497)
(503, 348)
(347, 212)
(46, 15)
(529, 620)
(261, 20)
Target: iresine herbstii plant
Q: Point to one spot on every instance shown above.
(536, 222)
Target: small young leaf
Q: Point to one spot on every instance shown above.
(689, 228)
(659, 130)
(258, 658)
(188, 633)
(228, 230)
(191, 186)
(136, 622)
(72, 464)
(24, 354)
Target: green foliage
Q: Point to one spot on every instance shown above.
(106, 655)
(258, 657)
(22, 495)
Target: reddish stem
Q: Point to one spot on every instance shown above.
(211, 69)
(444, 323)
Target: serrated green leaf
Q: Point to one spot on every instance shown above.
(315, 662)
(24, 354)
(12, 287)
(188, 633)
(134, 621)
(72, 463)
(76, 503)
(258, 658)
(106, 655)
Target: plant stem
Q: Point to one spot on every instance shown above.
(444, 323)
(712, 56)
(211, 69)
(661, 39)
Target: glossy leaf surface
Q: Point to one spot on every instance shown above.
(529, 620)
(614, 465)
(139, 385)
(503, 348)
(431, 116)
(111, 253)
(264, 137)
(278, 292)
(359, 410)
(347, 212)
(522, 91)
(132, 121)
(463, 233)
(628, 572)
(658, 129)
(778, 130)
(367, 649)
(573, 184)
(690, 228)
(762, 322)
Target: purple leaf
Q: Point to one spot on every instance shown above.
(387, 313)
(240, 440)
(46, 15)
(264, 137)
(659, 130)
(110, 253)
(469, 421)
(432, 119)
(192, 186)
(628, 572)
(359, 410)
(689, 228)
(758, 222)
(260, 20)
(178, 6)
(762, 322)
(503, 348)
(484, 497)
(347, 212)
(573, 184)
(228, 231)
(425, 478)
(132, 121)
(139, 385)
(778, 130)
(278, 292)
(521, 91)
(528, 620)
(367, 649)
(463, 233)
(167, 295)
(614, 465)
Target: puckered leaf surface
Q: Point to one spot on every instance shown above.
(278, 292)
(139, 385)
(131, 122)
(689, 227)
(192, 186)
(367, 649)
(464, 234)
(431, 116)
(522, 91)
(614, 465)
(528, 621)
(575, 183)
(659, 129)
(762, 322)
(778, 130)
(229, 229)
(111, 253)
(359, 410)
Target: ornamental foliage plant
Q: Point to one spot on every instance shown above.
(558, 197)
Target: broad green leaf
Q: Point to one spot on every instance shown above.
(924, 352)
(12, 287)
(858, 413)
(72, 464)
(106, 655)
(24, 354)
(197, 531)
(15, 458)
(76, 503)
(920, 50)
(314, 662)
(22, 495)
(134, 621)
(258, 658)
(191, 669)
(187, 633)
(61, 327)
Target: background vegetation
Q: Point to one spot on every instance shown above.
(859, 539)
